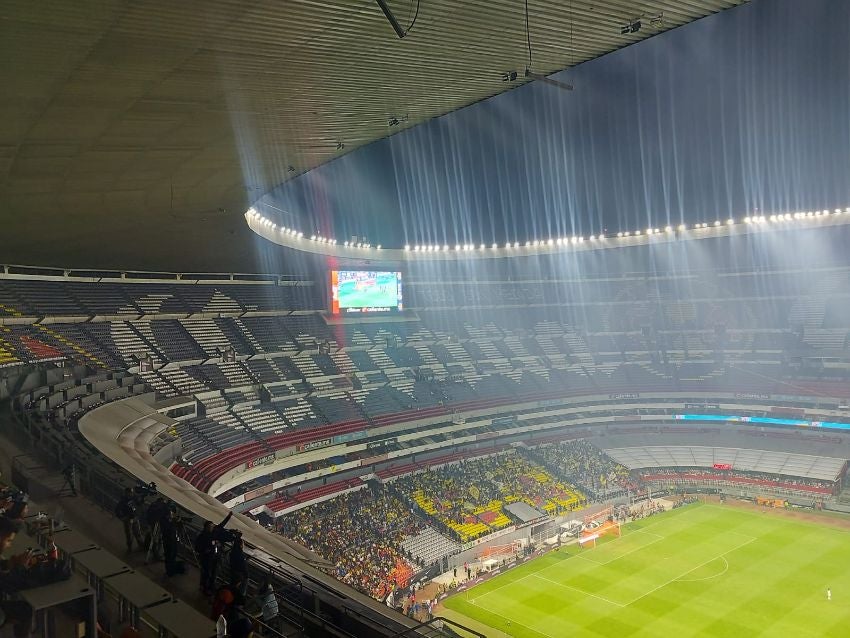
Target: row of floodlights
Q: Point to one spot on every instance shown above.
(561, 241)
(264, 221)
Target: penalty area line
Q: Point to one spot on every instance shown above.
(580, 591)
(703, 564)
(511, 621)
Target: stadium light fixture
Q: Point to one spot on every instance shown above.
(407, 246)
(379, 246)
(494, 246)
(668, 229)
(620, 234)
(717, 222)
(527, 244)
(730, 221)
(682, 227)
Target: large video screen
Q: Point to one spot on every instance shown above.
(365, 291)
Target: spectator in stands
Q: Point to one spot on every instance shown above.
(361, 533)
(15, 613)
(267, 601)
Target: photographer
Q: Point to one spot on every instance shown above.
(126, 511)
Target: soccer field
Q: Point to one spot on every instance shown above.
(702, 570)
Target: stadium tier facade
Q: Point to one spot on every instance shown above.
(429, 413)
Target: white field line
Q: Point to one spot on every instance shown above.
(510, 620)
(723, 555)
(580, 591)
(696, 580)
(508, 584)
(611, 560)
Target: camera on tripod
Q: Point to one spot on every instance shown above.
(229, 535)
(144, 490)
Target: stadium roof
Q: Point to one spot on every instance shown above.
(129, 128)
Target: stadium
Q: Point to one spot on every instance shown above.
(425, 319)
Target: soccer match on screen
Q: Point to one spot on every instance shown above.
(364, 291)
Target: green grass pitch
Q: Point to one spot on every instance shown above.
(350, 297)
(702, 570)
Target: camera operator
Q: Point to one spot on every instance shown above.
(170, 542)
(126, 511)
(12, 612)
(239, 566)
(206, 547)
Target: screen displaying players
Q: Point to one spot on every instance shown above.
(363, 291)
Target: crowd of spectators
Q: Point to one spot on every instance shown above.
(792, 483)
(586, 465)
(466, 499)
(360, 533)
